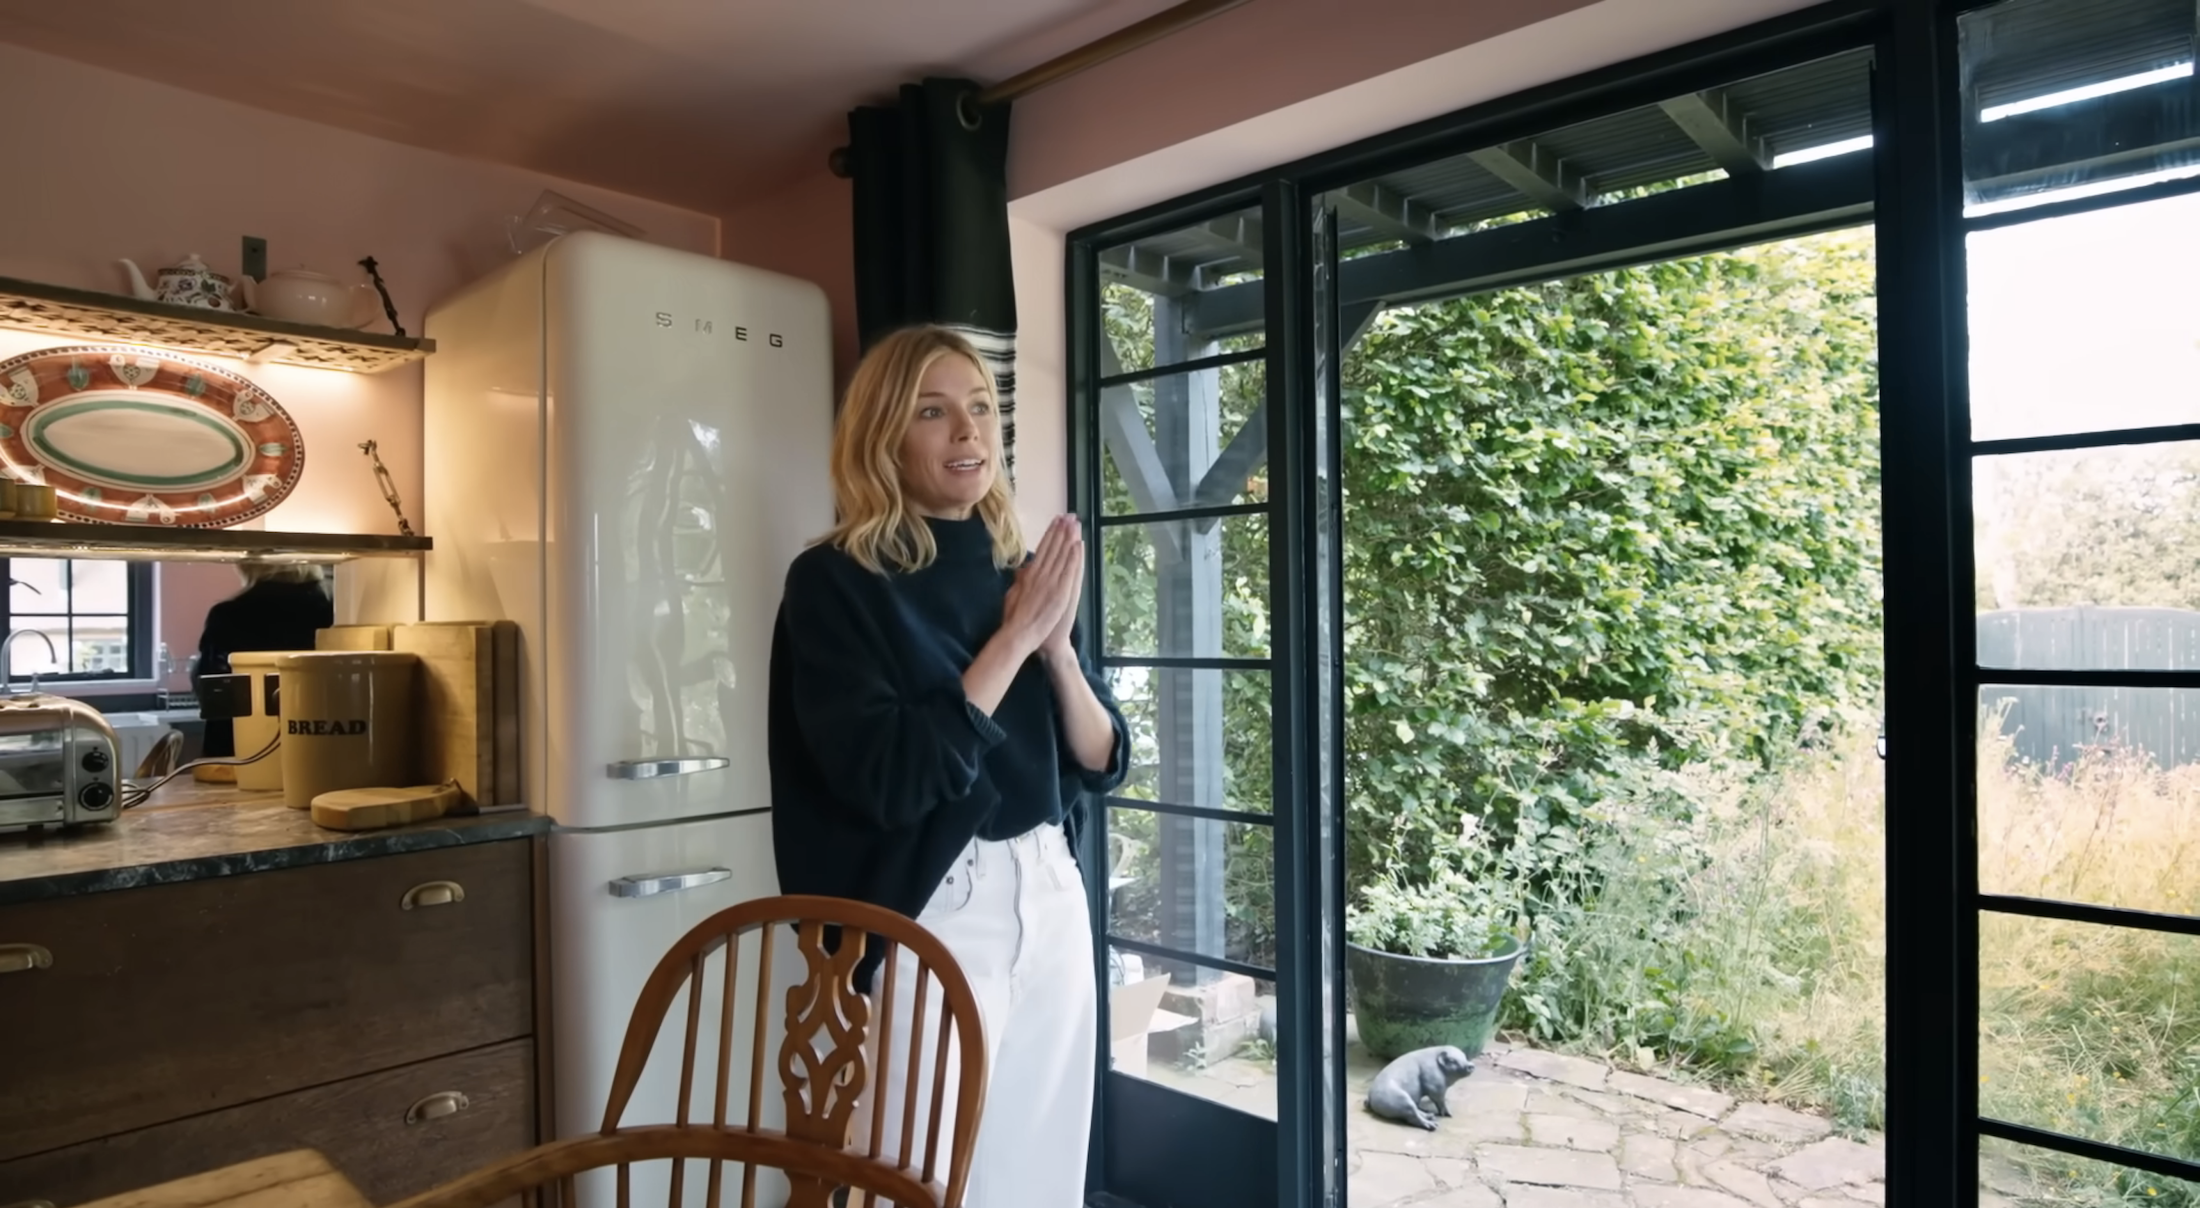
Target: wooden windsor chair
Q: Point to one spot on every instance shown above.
(836, 1065)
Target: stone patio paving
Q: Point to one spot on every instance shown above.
(1530, 1129)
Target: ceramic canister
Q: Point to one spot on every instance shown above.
(265, 722)
(34, 501)
(347, 721)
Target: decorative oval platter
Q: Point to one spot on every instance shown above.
(138, 436)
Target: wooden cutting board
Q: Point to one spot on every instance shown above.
(456, 691)
(504, 722)
(353, 637)
(374, 809)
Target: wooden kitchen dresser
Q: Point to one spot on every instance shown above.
(380, 1010)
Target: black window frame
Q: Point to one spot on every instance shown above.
(1931, 670)
(140, 625)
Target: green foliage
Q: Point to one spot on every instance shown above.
(1469, 905)
(1611, 548)
(1625, 517)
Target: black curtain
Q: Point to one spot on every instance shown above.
(931, 214)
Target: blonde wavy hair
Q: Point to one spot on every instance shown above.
(877, 526)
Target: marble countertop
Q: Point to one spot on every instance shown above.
(189, 831)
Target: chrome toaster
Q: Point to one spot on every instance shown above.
(58, 763)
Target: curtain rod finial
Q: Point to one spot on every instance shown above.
(838, 163)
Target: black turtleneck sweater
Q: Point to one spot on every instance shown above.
(882, 770)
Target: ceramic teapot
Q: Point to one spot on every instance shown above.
(190, 283)
(297, 295)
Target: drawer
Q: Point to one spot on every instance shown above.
(176, 1000)
(361, 1125)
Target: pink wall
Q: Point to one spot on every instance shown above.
(1251, 60)
(804, 230)
(1259, 86)
(112, 166)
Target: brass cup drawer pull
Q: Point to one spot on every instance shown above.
(436, 1106)
(434, 893)
(22, 958)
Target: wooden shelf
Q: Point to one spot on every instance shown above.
(59, 310)
(146, 543)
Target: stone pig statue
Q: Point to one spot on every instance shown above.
(1423, 1074)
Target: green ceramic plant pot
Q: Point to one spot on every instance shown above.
(1403, 1003)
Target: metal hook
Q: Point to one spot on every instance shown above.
(967, 111)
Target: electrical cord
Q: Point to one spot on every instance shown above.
(135, 797)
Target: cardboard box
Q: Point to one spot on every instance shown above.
(1134, 1013)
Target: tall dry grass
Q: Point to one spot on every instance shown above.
(2089, 1030)
(2085, 1030)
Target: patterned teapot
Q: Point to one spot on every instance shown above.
(190, 283)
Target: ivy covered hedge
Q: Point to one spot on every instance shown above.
(1595, 531)
(1627, 517)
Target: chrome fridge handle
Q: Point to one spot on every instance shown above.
(646, 885)
(651, 769)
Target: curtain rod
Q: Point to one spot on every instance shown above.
(1129, 38)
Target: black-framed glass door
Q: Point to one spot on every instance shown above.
(2080, 235)
(1200, 332)
(1174, 314)
(1180, 497)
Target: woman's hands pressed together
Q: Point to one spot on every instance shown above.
(1043, 599)
(1087, 728)
(1042, 603)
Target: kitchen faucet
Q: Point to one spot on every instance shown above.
(7, 653)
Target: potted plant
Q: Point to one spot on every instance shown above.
(1428, 959)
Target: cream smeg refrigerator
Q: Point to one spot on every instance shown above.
(625, 447)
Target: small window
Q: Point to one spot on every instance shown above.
(98, 614)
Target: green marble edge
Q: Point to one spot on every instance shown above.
(20, 881)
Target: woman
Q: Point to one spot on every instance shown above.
(282, 606)
(933, 733)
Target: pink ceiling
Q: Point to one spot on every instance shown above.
(698, 103)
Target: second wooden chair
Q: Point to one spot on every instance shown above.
(855, 1073)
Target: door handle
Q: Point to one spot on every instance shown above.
(22, 958)
(433, 893)
(646, 885)
(437, 1106)
(651, 769)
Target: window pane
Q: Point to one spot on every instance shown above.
(100, 587)
(2084, 323)
(2089, 1031)
(1193, 884)
(1181, 441)
(2090, 794)
(39, 586)
(1200, 886)
(1550, 189)
(1190, 293)
(2085, 558)
(2010, 1175)
(2064, 96)
(1197, 737)
(99, 646)
(1188, 587)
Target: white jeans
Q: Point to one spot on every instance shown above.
(1014, 916)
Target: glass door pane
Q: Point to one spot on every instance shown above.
(1179, 422)
(2080, 120)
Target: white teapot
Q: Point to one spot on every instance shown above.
(190, 283)
(296, 295)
